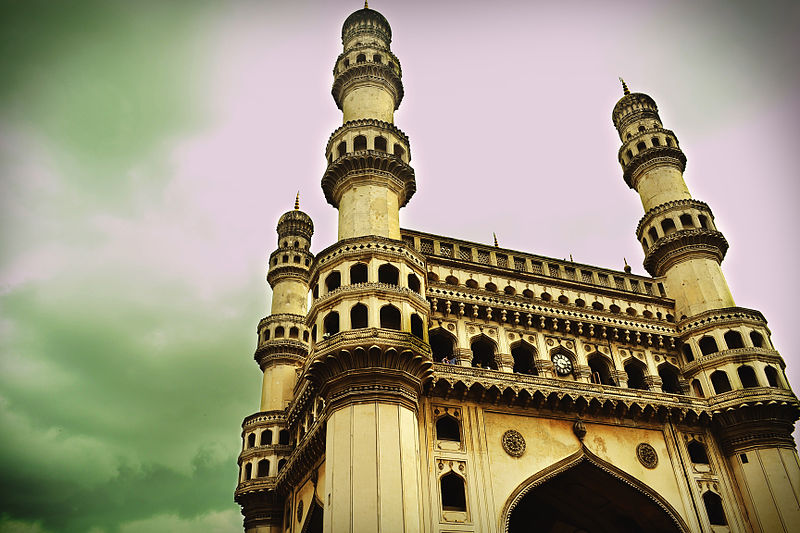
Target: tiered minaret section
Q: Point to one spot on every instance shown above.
(283, 345)
(368, 177)
(728, 354)
(369, 316)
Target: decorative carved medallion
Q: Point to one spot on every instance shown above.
(647, 455)
(513, 443)
(300, 510)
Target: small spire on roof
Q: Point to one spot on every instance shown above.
(366, 4)
(495, 240)
(625, 89)
(627, 266)
(570, 258)
(297, 201)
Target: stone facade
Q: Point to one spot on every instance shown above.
(439, 385)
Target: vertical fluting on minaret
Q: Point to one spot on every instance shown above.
(727, 353)
(368, 176)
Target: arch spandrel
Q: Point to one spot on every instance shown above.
(583, 471)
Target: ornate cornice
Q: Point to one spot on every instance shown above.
(265, 451)
(368, 122)
(736, 356)
(524, 391)
(674, 205)
(652, 157)
(368, 246)
(367, 73)
(755, 418)
(263, 419)
(368, 166)
(283, 271)
(384, 290)
(635, 138)
(682, 245)
(717, 318)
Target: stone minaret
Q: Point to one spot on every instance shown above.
(728, 354)
(369, 316)
(283, 345)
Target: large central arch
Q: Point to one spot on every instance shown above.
(584, 494)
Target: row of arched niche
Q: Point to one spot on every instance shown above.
(668, 227)
(359, 273)
(602, 369)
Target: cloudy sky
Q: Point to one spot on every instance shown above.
(148, 148)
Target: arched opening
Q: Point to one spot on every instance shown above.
(266, 334)
(527, 293)
(361, 58)
(720, 381)
(388, 274)
(294, 333)
(358, 273)
(413, 283)
(653, 234)
(314, 333)
(283, 437)
(472, 284)
(377, 58)
(747, 376)
(441, 346)
(359, 143)
(281, 464)
(757, 339)
(698, 388)
(263, 468)
(641, 146)
(251, 440)
(509, 290)
(716, 514)
(451, 280)
(279, 332)
(454, 497)
(483, 353)
(330, 326)
(341, 149)
(398, 150)
(708, 345)
(669, 379)
(635, 373)
(668, 226)
(491, 287)
(390, 317)
(586, 498)
(655, 142)
(358, 316)
(333, 281)
(380, 143)
(686, 221)
(772, 376)
(266, 437)
(687, 352)
(697, 452)
(733, 339)
(523, 358)
(416, 325)
(601, 370)
(432, 277)
(447, 428)
(248, 471)
(641, 129)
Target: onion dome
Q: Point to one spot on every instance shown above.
(295, 223)
(366, 20)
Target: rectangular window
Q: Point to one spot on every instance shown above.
(446, 249)
(555, 270)
(635, 286)
(586, 277)
(426, 246)
(465, 253)
(502, 260)
(603, 279)
(619, 282)
(483, 257)
(519, 263)
(569, 273)
(536, 267)
(648, 288)
(409, 240)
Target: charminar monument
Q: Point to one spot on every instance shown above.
(419, 383)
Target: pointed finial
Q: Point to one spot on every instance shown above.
(297, 201)
(625, 87)
(571, 260)
(627, 266)
(495, 240)
(366, 4)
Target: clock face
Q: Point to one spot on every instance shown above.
(562, 364)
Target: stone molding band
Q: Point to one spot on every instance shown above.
(368, 166)
(652, 157)
(367, 73)
(674, 205)
(682, 245)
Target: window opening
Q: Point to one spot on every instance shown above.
(358, 316)
(266, 437)
(747, 376)
(390, 317)
(330, 326)
(733, 339)
(708, 345)
(380, 144)
(483, 354)
(716, 514)
(358, 273)
(669, 379)
(447, 428)
(720, 381)
(635, 376)
(388, 274)
(757, 339)
(283, 437)
(416, 326)
(697, 452)
(442, 347)
(454, 497)
(772, 376)
(263, 468)
(601, 371)
(413, 283)
(333, 281)
(523, 359)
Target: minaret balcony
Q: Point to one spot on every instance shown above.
(734, 356)
(373, 52)
(367, 74)
(368, 166)
(649, 158)
(680, 245)
(643, 140)
(368, 133)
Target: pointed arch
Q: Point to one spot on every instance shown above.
(442, 343)
(483, 351)
(670, 520)
(523, 354)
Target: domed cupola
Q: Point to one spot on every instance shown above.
(366, 21)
